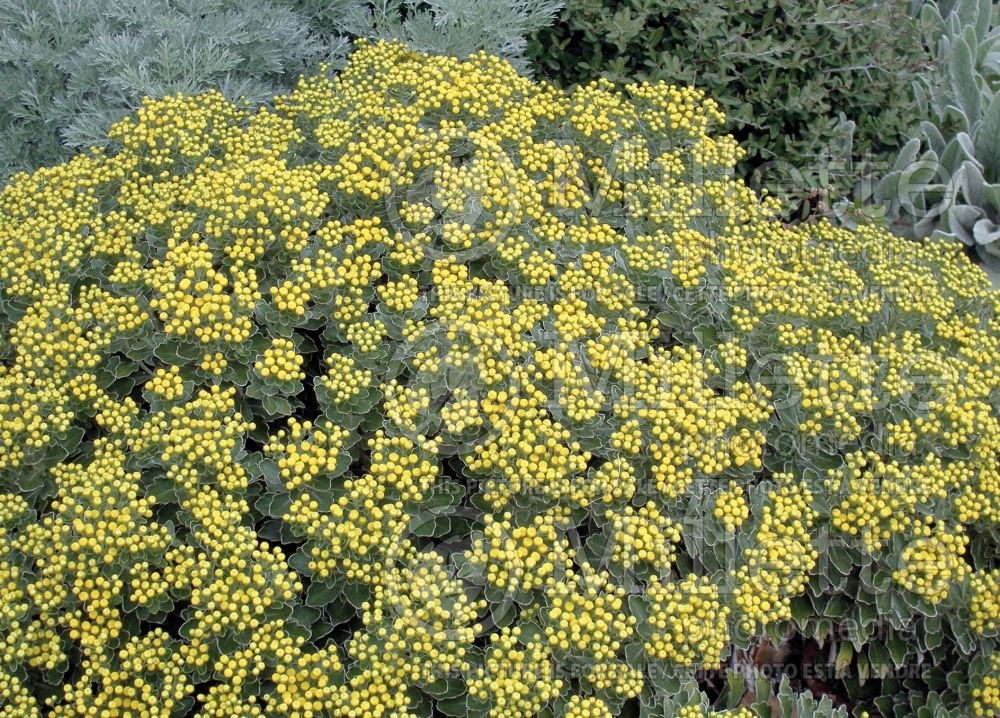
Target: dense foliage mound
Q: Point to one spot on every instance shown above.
(784, 70)
(433, 390)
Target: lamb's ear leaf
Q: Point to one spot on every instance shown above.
(984, 19)
(986, 232)
(906, 155)
(933, 136)
(964, 84)
(987, 139)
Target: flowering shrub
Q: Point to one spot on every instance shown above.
(433, 390)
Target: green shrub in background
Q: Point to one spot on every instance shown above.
(946, 179)
(784, 70)
(71, 68)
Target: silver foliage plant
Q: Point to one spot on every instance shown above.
(71, 68)
(946, 181)
(450, 27)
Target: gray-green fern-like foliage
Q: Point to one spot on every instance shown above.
(71, 68)
(946, 181)
(458, 27)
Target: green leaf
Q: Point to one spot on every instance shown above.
(274, 505)
(898, 650)
(842, 559)
(445, 688)
(300, 560)
(707, 335)
(443, 496)
(735, 688)
(321, 594)
(638, 607)
(356, 593)
(878, 658)
(305, 616)
(845, 655)
(802, 611)
(276, 406)
(69, 442)
(340, 610)
(272, 475)
(457, 706)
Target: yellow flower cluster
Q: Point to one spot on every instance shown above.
(556, 334)
(100, 527)
(190, 296)
(213, 363)
(305, 684)
(731, 507)
(984, 604)
(420, 623)
(461, 413)
(587, 707)
(406, 405)
(17, 701)
(697, 711)
(777, 566)
(518, 677)
(355, 536)
(585, 615)
(150, 681)
(986, 695)
(930, 566)
(586, 618)
(400, 295)
(645, 537)
(885, 499)
(835, 378)
(522, 558)
(612, 482)
(344, 379)
(281, 361)
(167, 384)
(238, 591)
(305, 451)
(51, 374)
(528, 452)
(688, 622)
(196, 441)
